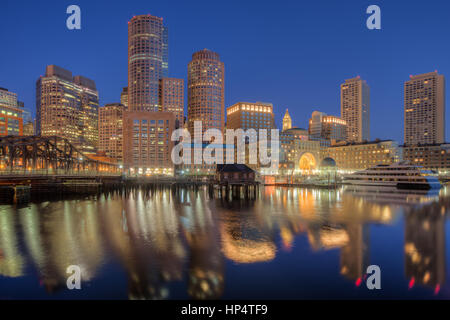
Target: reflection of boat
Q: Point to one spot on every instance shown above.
(398, 175)
(393, 195)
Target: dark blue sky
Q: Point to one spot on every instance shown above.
(293, 54)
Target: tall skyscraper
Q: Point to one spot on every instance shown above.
(206, 86)
(171, 98)
(110, 129)
(146, 139)
(355, 109)
(425, 109)
(147, 53)
(67, 107)
(287, 121)
(11, 114)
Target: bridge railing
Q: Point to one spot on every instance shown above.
(56, 172)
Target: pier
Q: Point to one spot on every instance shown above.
(37, 166)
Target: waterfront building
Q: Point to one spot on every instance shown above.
(432, 156)
(424, 96)
(151, 144)
(289, 140)
(358, 156)
(206, 91)
(235, 173)
(67, 107)
(171, 97)
(355, 109)
(287, 121)
(298, 152)
(110, 128)
(11, 114)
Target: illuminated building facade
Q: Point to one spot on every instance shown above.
(289, 140)
(171, 97)
(151, 146)
(248, 115)
(298, 153)
(434, 157)
(67, 107)
(287, 121)
(110, 128)
(359, 156)
(11, 114)
(325, 128)
(206, 101)
(206, 86)
(355, 109)
(147, 130)
(147, 46)
(425, 109)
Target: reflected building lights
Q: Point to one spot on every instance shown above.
(183, 237)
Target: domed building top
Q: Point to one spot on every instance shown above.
(328, 163)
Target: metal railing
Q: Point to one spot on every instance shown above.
(55, 172)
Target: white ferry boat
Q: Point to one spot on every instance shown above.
(398, 175)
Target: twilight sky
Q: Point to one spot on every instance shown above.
(293, 54)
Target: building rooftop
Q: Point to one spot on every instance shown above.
(294, 129)
(425, 145)
(237, 167)
(344, 144)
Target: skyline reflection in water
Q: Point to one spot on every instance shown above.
(289, 243)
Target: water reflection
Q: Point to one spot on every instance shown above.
(425, 246)
(184, 237)
(11, 259)
(61, 234)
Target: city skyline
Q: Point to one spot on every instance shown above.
(235, 150)
(249, 79)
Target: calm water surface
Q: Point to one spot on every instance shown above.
(287, 244)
